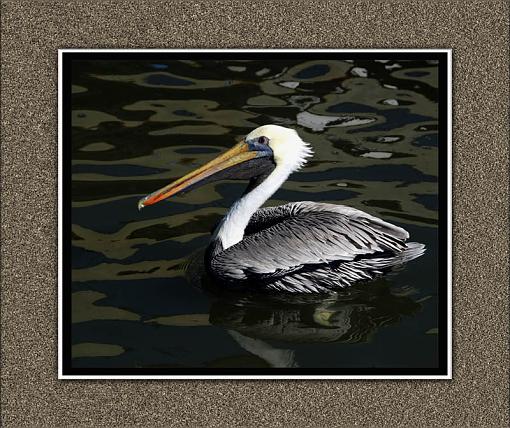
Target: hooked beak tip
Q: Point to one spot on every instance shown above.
(141, 204)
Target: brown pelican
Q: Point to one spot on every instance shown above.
(296, 247)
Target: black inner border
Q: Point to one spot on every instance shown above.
(65, 245)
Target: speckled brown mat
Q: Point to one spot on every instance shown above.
(31, 34)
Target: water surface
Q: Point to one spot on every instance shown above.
(136, 125)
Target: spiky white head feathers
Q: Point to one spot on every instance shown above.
(288, 148)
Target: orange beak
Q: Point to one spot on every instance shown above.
(236, 155)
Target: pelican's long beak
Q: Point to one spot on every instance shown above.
(238, 154)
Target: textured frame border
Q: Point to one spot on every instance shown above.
(444, 186)
(478, 34)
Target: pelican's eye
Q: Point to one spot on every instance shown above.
(263, 140)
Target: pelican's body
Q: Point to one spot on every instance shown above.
(297, 247)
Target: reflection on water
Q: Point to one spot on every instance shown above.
(351, 316)
(139, 124)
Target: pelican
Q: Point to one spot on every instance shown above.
(304, 247)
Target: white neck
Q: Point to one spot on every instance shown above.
(231, 229)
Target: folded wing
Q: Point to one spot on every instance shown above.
(284, 239)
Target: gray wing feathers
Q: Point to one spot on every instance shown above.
(306, 233)
(328, 278)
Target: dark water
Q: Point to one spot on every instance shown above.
(137, 125)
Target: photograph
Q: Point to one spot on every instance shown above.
(255, 214)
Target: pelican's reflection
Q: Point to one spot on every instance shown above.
(352, 316)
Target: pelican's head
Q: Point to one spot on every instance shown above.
(262, 150)
(289, 150)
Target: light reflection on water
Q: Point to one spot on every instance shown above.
(139, 124)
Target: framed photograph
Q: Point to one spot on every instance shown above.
(255, 214)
